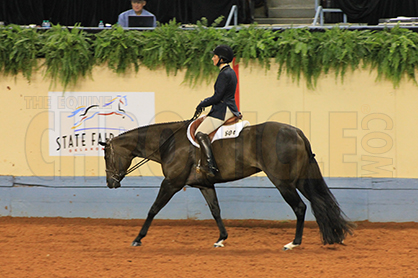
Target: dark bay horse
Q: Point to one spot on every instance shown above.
(280, 150)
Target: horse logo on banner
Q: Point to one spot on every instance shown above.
(86, 113)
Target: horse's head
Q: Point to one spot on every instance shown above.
(116, 165)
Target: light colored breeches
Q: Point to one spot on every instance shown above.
(209, 124)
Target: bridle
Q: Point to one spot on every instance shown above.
(119, 176)
(114, 175)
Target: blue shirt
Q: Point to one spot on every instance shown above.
(123, 17)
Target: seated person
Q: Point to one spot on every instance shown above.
(137, 10)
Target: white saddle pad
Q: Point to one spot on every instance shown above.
(224, 132)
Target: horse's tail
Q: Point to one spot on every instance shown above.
(332, 222)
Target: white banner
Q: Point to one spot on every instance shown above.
(79, 121)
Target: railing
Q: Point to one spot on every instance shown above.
(232, 13)
(320, 13)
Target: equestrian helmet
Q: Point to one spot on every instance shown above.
(224, 52)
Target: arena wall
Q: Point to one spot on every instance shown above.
(361, 130)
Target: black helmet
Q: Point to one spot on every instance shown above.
(224, 52)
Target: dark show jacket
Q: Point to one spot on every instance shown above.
(224, 95)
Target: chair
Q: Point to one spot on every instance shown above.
(320, 13)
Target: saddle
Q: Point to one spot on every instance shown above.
(230, 129)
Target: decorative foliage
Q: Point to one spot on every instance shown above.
(341, 49)
(296, 51)
(18, 50)
(300, 52)
(255, 43)
(68, 55)
(394, 53)
(119, 49)
(165, 47)
(200, 41)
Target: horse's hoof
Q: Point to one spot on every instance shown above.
(290, 246)
(136, 243)
(219, 244)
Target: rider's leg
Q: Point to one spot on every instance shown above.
(206, 127)
(210, 124)
(206, 150)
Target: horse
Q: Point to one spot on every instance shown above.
(280, 150)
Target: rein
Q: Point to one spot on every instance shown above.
(118, 177)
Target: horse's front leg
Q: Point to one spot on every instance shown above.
(212, 200)
(167, 191)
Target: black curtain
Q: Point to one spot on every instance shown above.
(65, 12)
(89, 12)
(166, 10)
(21, 11)
(370, 11)
(210, 9)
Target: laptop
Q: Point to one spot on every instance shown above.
(141, 21)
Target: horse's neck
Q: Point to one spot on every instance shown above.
(145, 141)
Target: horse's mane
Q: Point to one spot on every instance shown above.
(186, 122)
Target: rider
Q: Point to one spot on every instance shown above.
(222, 102)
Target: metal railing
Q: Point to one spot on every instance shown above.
(320, 13)
(232, 13)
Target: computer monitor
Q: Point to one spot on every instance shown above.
(141, 21)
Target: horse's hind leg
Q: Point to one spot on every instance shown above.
(291, 196)
(212, 200)
(167, 191)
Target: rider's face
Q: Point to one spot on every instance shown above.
(215, 59)
(137, 6)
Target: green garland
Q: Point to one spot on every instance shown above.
(71, 54)
(19, 49)
(68, 55)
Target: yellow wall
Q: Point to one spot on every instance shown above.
(358, 128)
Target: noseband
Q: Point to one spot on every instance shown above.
(116, 176)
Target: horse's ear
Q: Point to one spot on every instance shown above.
(102, 144)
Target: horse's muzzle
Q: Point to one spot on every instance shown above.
(113, 184)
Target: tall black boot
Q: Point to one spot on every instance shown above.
(206, 150)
